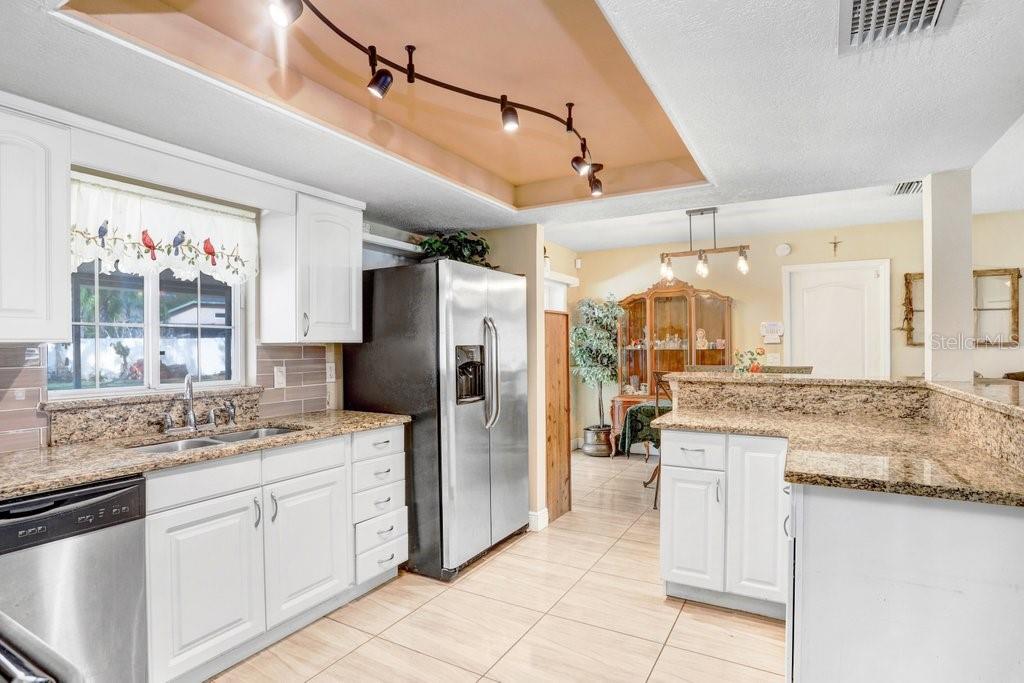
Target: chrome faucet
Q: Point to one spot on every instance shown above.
(230, 407)
(190, 412)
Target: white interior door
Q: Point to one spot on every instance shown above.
(836, 317)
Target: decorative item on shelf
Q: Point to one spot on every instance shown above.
(702, 339)
(467, 247)
(592, 342)
(284, 13)
(703, 268)
(750, 361)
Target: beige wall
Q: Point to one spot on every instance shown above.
(998, 242)
(563, 259)
(520, 250)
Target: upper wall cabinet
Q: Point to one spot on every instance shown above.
(311, 274)
(35, 279)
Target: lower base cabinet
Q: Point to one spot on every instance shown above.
(306, 538)
(205, 568)
(693, 543)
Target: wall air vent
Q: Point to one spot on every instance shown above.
(908, 187)
(868, 23)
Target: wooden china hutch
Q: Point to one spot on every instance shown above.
(671, 325)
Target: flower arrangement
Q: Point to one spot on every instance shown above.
(750, 360)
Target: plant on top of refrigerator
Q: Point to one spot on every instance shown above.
(467, 247)
(592, 345)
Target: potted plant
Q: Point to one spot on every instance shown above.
(467, 247)
(595, 360)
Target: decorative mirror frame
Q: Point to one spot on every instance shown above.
(1012, 273)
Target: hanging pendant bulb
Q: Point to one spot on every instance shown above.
(669, 275)
(742, 264)
(664, 268)
(702, 264)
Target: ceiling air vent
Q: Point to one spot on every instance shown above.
(908, 187)
(868, 23)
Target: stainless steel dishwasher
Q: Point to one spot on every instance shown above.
(73, 570)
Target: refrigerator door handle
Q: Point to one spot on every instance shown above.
(492, 361)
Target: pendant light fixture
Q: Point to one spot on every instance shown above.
(666, 269)
(284, 13)
(380, 79)
(703, 268)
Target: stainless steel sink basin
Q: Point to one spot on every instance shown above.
(177, 446)
(251, 434)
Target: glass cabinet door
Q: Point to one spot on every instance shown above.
(711, 343)
(633, 344)
(670, 345)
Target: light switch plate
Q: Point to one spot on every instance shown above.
(280, 378)
(331, 377)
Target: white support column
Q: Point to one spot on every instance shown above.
(948, 277)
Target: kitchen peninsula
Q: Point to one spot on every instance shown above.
(886, 515)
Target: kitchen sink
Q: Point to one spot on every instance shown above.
(251, 434)
(177, 446)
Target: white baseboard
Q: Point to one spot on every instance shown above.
(577, 443)
(538, 519)
(774, 610)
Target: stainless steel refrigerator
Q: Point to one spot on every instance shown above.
(445, 342)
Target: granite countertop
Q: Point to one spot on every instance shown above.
(38, 470)
(890, 455)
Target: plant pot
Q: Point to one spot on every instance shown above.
(597, 441)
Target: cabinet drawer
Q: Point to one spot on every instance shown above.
(377, 501)
(379, 560)
(378, 442)
(693, 449)
(374, 532)
(377, 472)
(173, 487)
(314, 456)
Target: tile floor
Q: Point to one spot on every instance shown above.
(581, 600)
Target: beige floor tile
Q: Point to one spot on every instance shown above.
(632, 560)
(679, 666)
(618, 501)
(300, 656)
(380, 660)
(562, 650)
(737, 637)
(647, 529)
(522, 581)
(628, 482)
(382, 607)
(636, 608)
(595, 520)
(571, 548)
(464, 629)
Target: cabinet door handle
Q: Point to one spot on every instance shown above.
(385, 532)
(381, 473)
(259, 511)
(718, 490)
(382, 501)
(305, 324)
(273, 516)
(787, 489)
(387, 559)
(684, 449)
(785, 527)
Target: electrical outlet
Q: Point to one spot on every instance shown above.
(331, 377)
(280, 378)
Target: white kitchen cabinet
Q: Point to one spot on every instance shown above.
(311, 274)
(756, 545)
(205, 581)
(307, 536)
(35, 275)
(693, 527)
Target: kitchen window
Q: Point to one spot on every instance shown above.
(157, 293)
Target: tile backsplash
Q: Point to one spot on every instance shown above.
(306, 387)
(22, 387)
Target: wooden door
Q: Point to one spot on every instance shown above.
(557, 428)
(306, 537)
(693, 527)
(757, 545)
(205, 581)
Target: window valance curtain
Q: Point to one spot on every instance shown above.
(146, 231)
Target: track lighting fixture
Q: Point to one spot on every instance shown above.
(284, 12)
(580, 163)
(596, 188)
(509, 116)
(381, 79)
(702, 264)
(410, 68)
(742, 264)
(568, 117)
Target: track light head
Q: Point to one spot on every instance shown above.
(380, 83)
(580, 165)
(509, 116)
(284, 12)
(596, 189)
